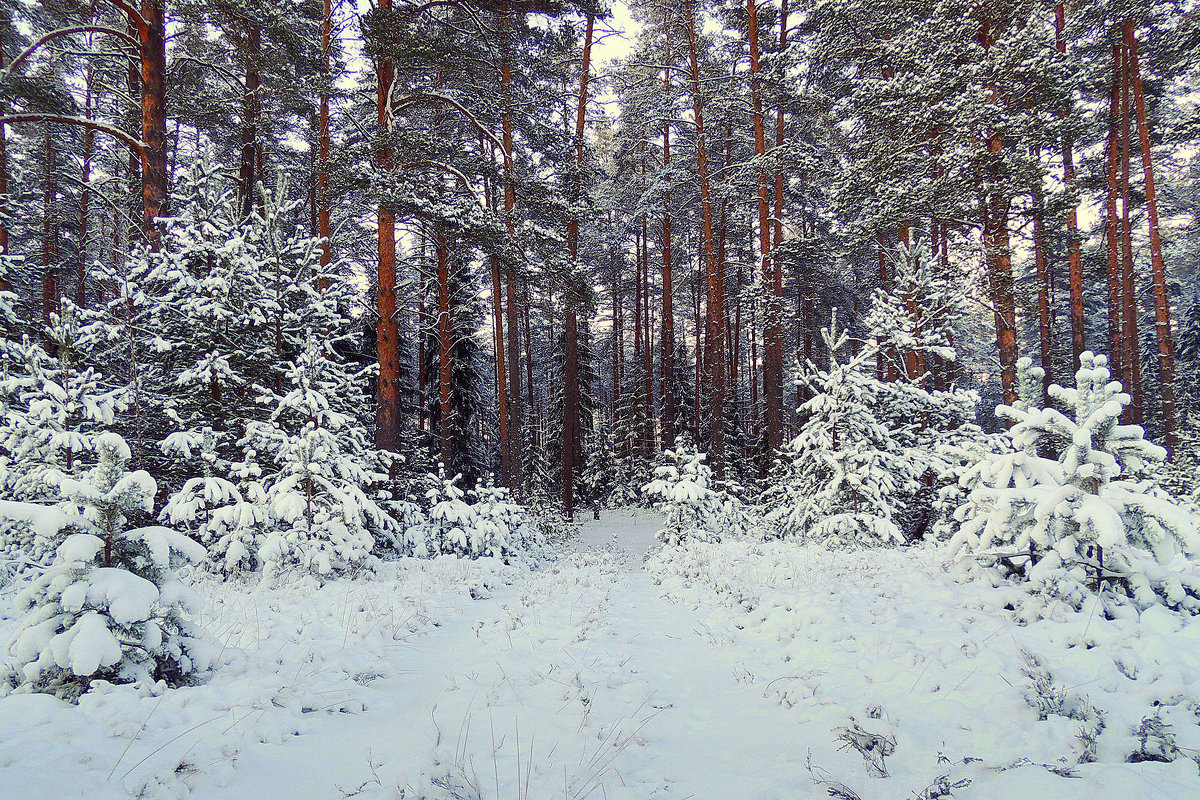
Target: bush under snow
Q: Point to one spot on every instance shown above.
(1079, 523)
(110, 606)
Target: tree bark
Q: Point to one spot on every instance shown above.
(1162, 300)
(571, 433)
(154, 118)
(85, 196)
(1131, 351)
(516, 475)
(248, 175)
(387, 420)
(714, 313)
(445, 346)
(1074, 244)
(1111, 223)
(773, 330)
(324, 229)
(667, 343)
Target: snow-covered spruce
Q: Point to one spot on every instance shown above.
(1079, 523)
(55, 405)
(229, 517)
(110, 607)
(503, 526)
(683, 489)
(324, 520)
(846, 475)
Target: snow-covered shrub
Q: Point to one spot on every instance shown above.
(56, 406)
(845, 474)
(324, 521)
(450, 527)
(1078, 522)
(110, 606)
(501, 525)
(53, 408)
(683, 488)
(229, 518)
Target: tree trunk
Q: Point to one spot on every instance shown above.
(714, 313)
(1074, 244)
(773, 331)
(1131, 352)
(1042, 271)
(4, 284)
(154, 118)
(999, 255)
(667, 343)
(251, 103)
(571, 444)
(85, 196)
(49, 228)
(323, 227)
(387, 420)
(1162, 300)
(516, 476)
(1111, 223)
(445, 347)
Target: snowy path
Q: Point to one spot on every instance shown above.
(607, 685)
(712, 672)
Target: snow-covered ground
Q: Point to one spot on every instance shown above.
(722, 671)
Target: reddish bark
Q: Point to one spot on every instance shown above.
(1162, 300)
(1111, 223)
(49, 234)
(85, 196)
(152, 32)
(516, 476)
(667, 353)
(571, 445)
(714, 315)
(1042, 271)
(323, 227)
(387, 421)
(248, 175)
(1130, 351)
(445, 346)
(1074, 244)
(773, 331)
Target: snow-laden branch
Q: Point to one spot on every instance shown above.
(137, 145)
(28, 51)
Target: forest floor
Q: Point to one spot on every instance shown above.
(727, 671)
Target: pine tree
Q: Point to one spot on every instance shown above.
(57, 405)
(325, 520)
(1081, 522)
(845, 477)
(110, 607)
(685, 490)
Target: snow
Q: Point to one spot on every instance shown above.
(733, 669)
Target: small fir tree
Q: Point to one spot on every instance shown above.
(845, 475)
(1077, 522)
(684, 489)
(111, 606)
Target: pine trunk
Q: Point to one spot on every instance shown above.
(1074, 243)
(1130, 352)
(1111, 223)
(154, 118)
(667, 344)
(1162, 299)
(516, 471)
(445, 351)
(714, 313)
(571, 444)
(387, 421)
(323, 227)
